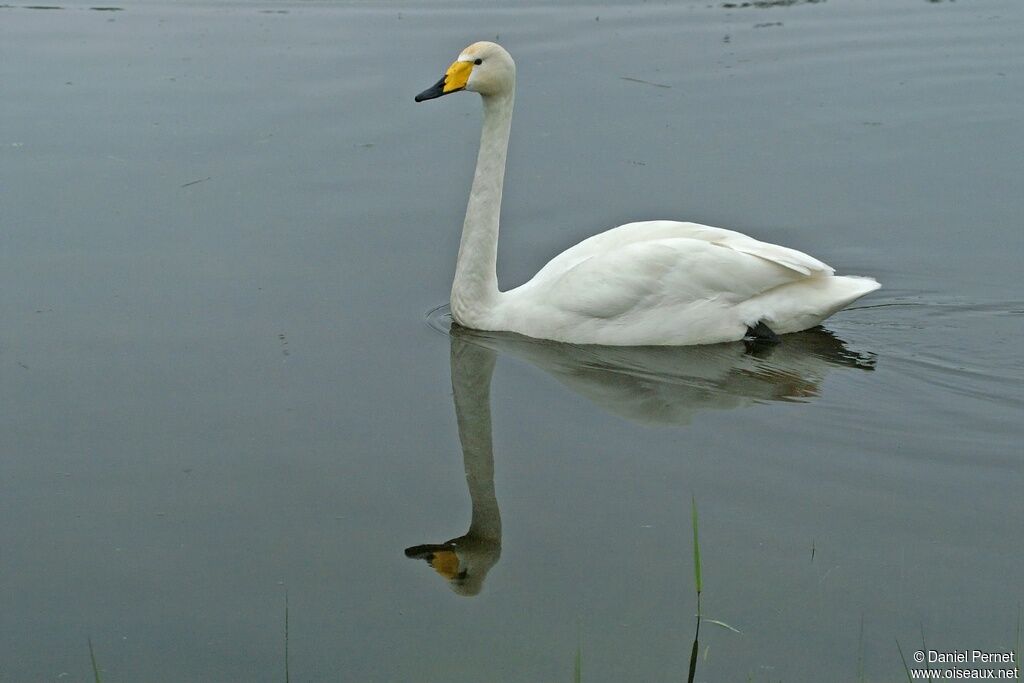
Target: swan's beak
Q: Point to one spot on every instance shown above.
(454, 80)
(445, 563)
(441, 558)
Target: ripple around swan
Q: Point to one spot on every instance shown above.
(924, 338)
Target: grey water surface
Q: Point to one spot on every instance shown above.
(226, 231)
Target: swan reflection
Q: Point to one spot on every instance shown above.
(661, 385)
(465, 561)
(649, 385)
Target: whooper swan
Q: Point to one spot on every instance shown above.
(650, 283)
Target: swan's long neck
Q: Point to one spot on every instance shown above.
(475, 289)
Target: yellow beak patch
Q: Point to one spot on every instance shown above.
(445, 563)
(457, 76)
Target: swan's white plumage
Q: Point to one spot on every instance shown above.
(647, 283)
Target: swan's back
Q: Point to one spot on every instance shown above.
(645, 231)
(667, 283)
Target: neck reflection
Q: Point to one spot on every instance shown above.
(464, 561)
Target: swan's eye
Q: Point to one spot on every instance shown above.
(478, 61)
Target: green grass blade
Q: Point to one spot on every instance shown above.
(95, 668)
(287, 673)
(905, 667)
(693, 659)
(577, 669)
(860, 652)
(696, 551)
(924, 648)
(716, 622)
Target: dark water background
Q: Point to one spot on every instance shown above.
(223, 225)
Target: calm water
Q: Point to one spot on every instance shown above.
(226, 229)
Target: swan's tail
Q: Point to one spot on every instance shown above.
(803, 304)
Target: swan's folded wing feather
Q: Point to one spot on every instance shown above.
(784, 256)
(629, 234)
(662, 274)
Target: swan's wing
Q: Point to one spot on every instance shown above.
(653, 231)
(662, 274)
(783, 256)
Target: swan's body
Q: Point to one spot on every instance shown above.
(649, 283)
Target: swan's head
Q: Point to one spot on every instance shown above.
(486, 68)
(463, 562)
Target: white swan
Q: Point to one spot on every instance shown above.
(649, 283)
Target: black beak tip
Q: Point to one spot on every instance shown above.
(432, 92)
